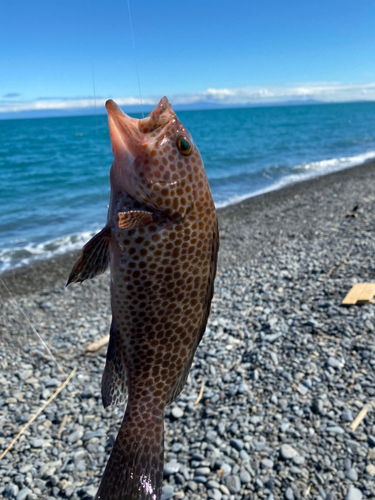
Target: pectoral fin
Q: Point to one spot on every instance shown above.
(134, 218)
(94, 258)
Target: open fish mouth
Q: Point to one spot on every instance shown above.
(143, 149)
(129, 136)
(126, 139)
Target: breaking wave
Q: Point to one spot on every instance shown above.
(288, 176)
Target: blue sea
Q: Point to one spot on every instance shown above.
(54, 185)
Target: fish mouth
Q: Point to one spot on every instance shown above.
(129, 139)
(130, 135)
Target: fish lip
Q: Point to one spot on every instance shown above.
(125, 135)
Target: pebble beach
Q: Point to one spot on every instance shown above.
(282, 371)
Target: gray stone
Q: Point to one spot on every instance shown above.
(211, 435)
(256, 419)
(11, 491)
(79, 455)
(317, 405)
(243, 388)
(70, 490)
(202, 471)
(221, 428)
(167, 492)
(289, 495)
(273, 337)
(347, 415)
(171, 467)
(267, 463)
(176, 447)
(298, 460)
(24, 375)
(75, 436)
(89, 491)
(215, 494)
(47, 471)
(52, 382)
(23, 494)
(200, 479)
(212, 484)
(334, 363)
(354, 494)
(283, 404)
(225, 491)
(335, 430)
(192, 485)
(244, 456)
(245, 477)
(352, 474)
(233, 484)
(93, 434)
(238, 444)
(331, 496)
(226, 470)
(37, 443)
(177, 412)
(287, 452)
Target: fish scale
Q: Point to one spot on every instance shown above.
(161, 242)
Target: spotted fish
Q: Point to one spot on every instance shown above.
(161, 242)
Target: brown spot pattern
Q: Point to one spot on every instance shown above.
(162, 278)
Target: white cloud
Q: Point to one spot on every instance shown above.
(325, 92)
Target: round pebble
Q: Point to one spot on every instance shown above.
(287, 452)
(354, 494)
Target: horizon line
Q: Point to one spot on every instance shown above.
(241, 97)
(93, 111)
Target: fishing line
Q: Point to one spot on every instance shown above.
(94, 91)
(17, 305)
(92, 69)
(97, 145)
(135, 57)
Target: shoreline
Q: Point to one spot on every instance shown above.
(43, 273)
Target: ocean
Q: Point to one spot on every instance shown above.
(54, 172)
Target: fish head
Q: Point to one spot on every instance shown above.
(156, 161)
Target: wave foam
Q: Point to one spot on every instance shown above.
(11, 258)
(305, 171)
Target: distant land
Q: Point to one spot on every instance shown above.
(196, 106)
(54, 113)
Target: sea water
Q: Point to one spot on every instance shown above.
(54, 172)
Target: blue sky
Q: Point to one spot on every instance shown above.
(236, 52)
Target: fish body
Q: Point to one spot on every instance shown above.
(161, 242)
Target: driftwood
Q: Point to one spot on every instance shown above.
(95, 346)
(36, 415)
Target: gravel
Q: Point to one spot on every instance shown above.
(286, 368)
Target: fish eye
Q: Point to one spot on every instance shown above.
(184, 146)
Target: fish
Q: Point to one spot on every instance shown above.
(161, 243)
